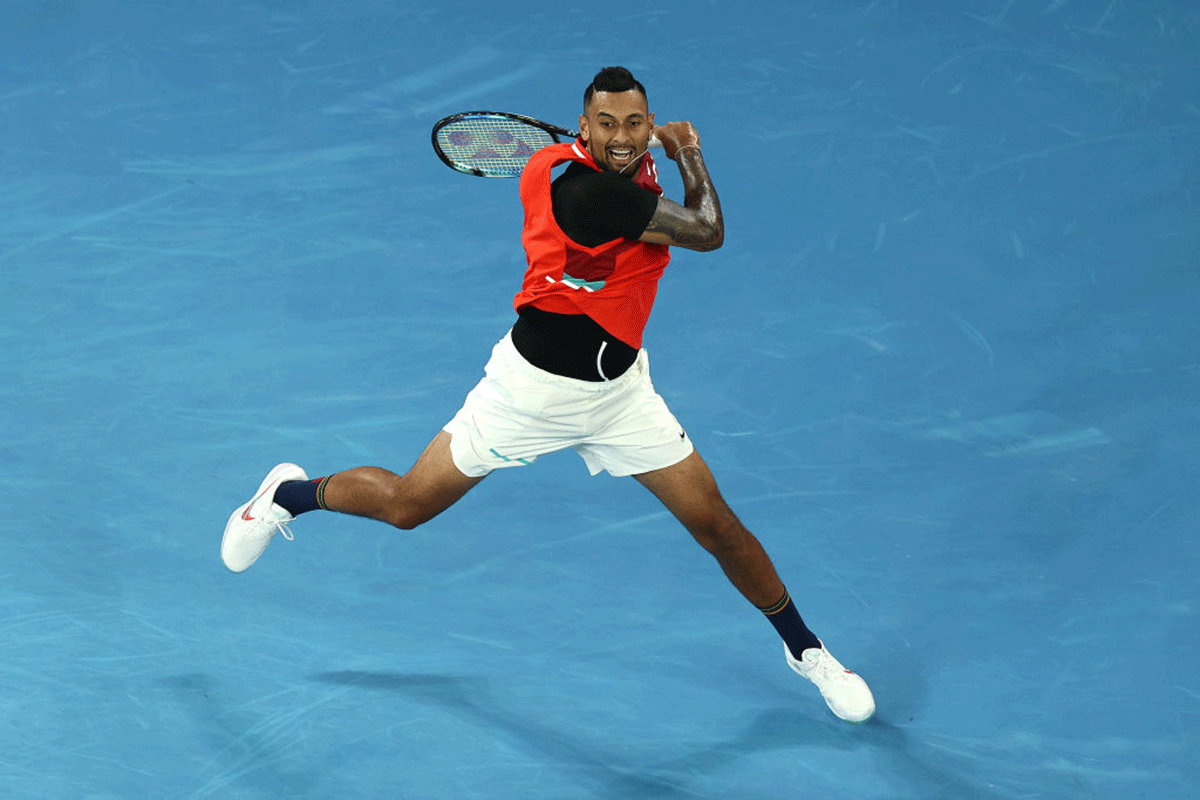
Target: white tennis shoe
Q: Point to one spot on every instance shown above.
(846, 694)
(252, 526)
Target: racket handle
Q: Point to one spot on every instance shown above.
(654, 142)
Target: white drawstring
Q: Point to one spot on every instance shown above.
(599, 356)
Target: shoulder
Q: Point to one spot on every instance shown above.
(542, 163)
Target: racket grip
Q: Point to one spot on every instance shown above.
(654, 142)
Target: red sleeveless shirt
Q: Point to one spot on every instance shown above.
(615, 284)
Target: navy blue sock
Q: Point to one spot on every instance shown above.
(297, 497)
(791, 628)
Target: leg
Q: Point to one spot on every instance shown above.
(429, 488)
(405, 501)
(690, 492)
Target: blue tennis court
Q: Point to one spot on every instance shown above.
(945, 367)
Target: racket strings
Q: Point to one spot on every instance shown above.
(493, 145)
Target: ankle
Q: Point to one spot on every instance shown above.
(790, 627)
(300, 497)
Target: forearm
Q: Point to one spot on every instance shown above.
(697, 224)
(700, 197)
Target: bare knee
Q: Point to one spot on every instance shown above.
(406, 515)
(719, 531)
(409, 502)
(399, 508)
(406, 520)
(403, 501)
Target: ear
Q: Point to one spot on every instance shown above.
(583, 127)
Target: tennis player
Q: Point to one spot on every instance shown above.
(571, 373)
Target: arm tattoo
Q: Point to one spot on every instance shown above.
(697, 224)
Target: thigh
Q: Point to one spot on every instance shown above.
(436, 479)
(689, 491)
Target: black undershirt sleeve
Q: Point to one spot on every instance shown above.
(596, 207)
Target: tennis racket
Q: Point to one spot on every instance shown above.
(495, 144)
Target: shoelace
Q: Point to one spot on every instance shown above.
(826, 668)
(282, 527)
(830, 669)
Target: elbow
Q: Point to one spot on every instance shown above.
(713, 239)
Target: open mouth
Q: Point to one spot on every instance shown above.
(621, 155)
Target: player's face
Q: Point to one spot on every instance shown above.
(616, 127)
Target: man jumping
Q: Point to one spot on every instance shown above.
(571, 373)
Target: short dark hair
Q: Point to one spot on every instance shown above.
(612, 79)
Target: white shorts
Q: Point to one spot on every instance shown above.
(519, 412)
